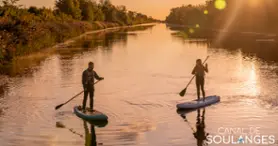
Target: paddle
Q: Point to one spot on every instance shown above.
(182, 93)
(61, 125)
(189, 124)
(59, 106)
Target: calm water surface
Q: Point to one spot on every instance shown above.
(144, 70)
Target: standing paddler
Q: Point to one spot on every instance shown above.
(88, 80)
(199, 71)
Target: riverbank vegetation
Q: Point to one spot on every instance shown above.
(249, 17)
(26, 30)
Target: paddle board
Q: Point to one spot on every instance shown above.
(89, 115)
(195, 104)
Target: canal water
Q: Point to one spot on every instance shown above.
(144, 68)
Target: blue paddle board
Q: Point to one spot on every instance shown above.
(195, 104)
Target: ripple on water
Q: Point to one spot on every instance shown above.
(112, 114)
(127, 133)
(139, 94)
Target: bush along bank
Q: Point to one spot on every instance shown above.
(27, 30)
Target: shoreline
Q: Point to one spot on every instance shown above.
(45, 52)
(71, 40)
(261, 34)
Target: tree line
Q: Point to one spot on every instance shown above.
(233, 15)
(86, 10)
(89, 10)
(25, 30)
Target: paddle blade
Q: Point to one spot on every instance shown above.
(58, 106)
(182, 92)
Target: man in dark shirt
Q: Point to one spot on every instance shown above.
(199, 71)
(88, 80)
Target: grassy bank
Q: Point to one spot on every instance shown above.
(24, 31)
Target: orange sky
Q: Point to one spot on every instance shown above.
(156, 8)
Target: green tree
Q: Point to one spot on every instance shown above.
(9, 2)
(109, 10)
(87, 10)
(122, 15)
(34, 10)
(70, 7)
(99, 15)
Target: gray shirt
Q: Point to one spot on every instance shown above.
(88, 78)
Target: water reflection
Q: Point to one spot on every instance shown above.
(103, 40)
(90, 138)
(264, 50)
(250, 45)
(2, 87)
(106, 40)
(200, 134)
(2, 92)
(90, 133)
(147, 73)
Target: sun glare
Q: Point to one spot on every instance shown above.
(197, 26)
(252, 82)
(230, 18)
(191, 30)
(220, 4)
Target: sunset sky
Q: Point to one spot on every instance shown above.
(156, 8)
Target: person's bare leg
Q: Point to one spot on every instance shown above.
(203, 89)
(198, 88)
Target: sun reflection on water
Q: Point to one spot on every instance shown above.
(251, 84)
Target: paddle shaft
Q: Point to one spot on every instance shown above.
(74, 96)
(195, 75)
(189, 124)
